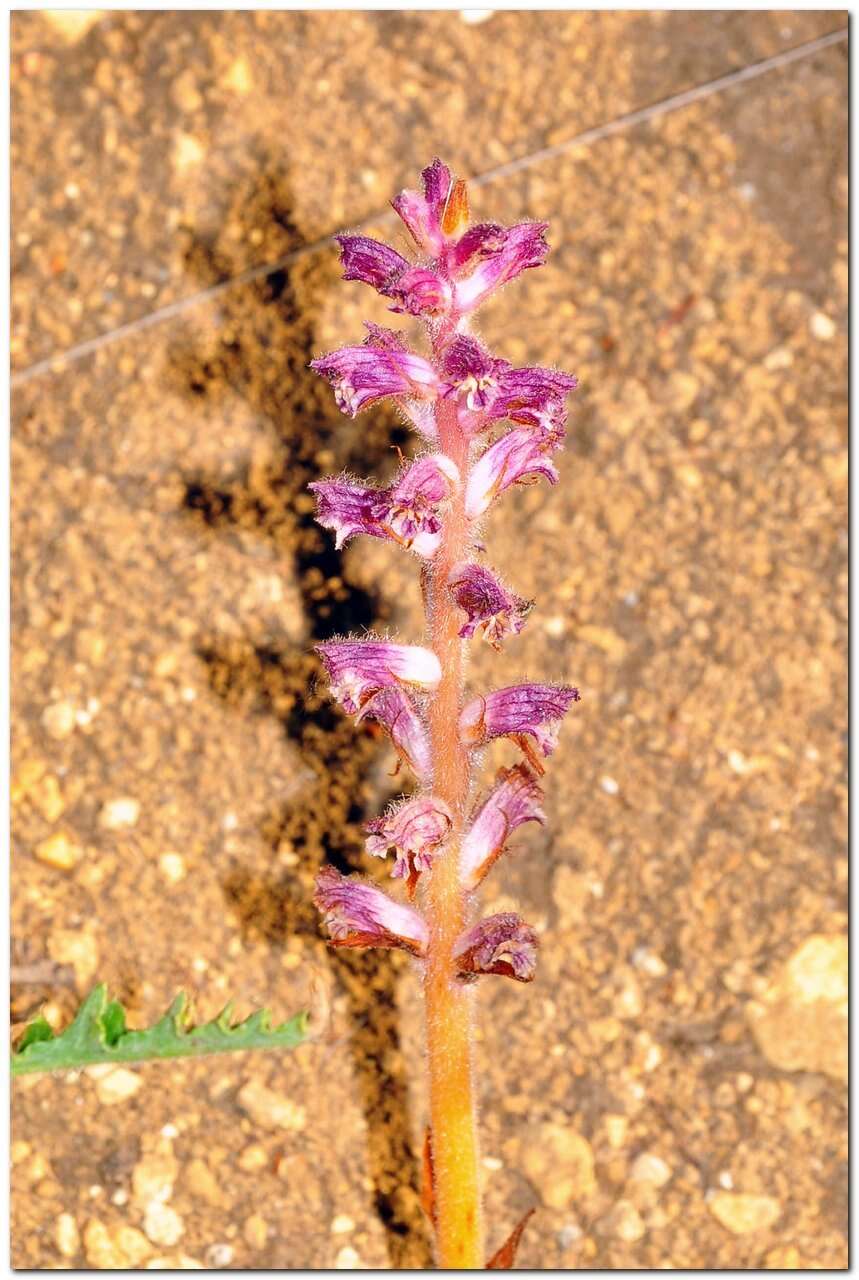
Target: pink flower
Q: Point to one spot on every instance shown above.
(442, 210)
(359, 668)
(381, 366)
(413, 831)
(502, 253)
(519, 457)
(420, 292)
(514, 800)
(359, 915)
(392, 708)
(487, 389)
(409, 512)
(520, 712)
(489, 606)
(502, 944)
(370, 261)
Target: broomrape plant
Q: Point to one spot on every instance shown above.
(456, 395)
(487, 426)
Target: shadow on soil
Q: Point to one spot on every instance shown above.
(261, 351)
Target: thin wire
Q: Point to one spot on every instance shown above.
(56, 363)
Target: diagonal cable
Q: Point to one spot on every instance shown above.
(676, 102)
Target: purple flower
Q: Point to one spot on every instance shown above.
(502, 253)
(380, 366)
(438, 214)
(488, 389)
(413, 832)
(359, 915)
(394, 710)
(359, 668)
(409, 512)
(519, 457)
(502, 944)
(520, 712)
(370, 260)
(514, 800)
(420, 292)
(533, 396)
(490, 607)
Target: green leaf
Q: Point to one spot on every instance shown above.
(98, 1033)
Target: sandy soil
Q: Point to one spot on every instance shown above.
(671, 1090)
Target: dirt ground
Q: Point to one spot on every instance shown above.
(670, 1092)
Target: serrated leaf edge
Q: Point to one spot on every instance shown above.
(84, 1041)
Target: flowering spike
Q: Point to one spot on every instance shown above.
(491, 608)
(359, 915)
(514, 800)
(414, 832)
(502, 944)
(359, 668)
(520, 712)
(453, 393)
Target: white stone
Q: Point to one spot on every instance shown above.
(342, 1224)
(172, 867)
(162, 1224)
(66, 1235)
(348, 1259)
(649, 962)
(822, 326)
(743, 1214)
(59, 719)
(118, 1085)
(119, 813)
(650, 1168)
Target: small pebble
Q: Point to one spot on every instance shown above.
(342, 1224)
(609, 786)
(118, 1085)
(219, 1255)
(743, 1214)
(119, 813)
(255, 1231)
(59, 851)
(569, 1234)
(650, 1168)
(153, 1177)
(253, 1158)
(348, 1259)
(270, 1110)
(649, 962)
(624, 1222)
(66, 1235)
(475, 16)
(616, 1129)
(172, 867)
(162, 1224)
(822, 326)
(59, 719)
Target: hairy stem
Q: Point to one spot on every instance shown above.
(459, 1226)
